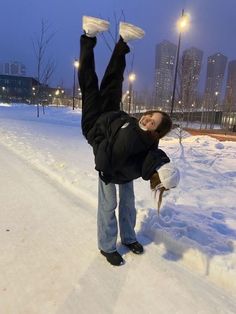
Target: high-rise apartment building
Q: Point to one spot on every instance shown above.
(12, 68)
(190, 72)
(230, 95)
(164, 73)
(216, 65)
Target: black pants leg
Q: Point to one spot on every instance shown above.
(88, 82)
(111, 85)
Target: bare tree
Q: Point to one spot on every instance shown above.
(113, 35)
(45, 65)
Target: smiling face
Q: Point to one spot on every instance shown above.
(150, 122)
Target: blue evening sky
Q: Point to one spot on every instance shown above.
(212, 29)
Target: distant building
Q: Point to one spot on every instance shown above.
(230, 94)
(164, 73)
(29, 90)
(216, 65)
(190, 73)
(12, 68)
(16, 88)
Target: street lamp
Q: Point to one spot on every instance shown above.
(2, 94)
(182, 25)
(79, 96)
(33, 94)
(132, 78)
(76, 66)
(57, 93)
(213, 113)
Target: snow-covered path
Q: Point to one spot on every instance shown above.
(50, 264)
(43, 252)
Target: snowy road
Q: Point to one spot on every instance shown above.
(50, 264)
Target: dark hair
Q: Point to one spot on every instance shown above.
(166, 123)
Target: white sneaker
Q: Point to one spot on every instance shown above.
(130, 32)
(93, 25)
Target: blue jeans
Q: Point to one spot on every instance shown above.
(106, 217)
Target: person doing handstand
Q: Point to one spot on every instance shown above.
(124, 148)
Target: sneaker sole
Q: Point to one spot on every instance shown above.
(101, 25)
(132, 30)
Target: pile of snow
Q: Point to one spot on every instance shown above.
(197, 222)
(4, 104)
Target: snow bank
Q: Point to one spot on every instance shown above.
(209, 253)
(4, 105)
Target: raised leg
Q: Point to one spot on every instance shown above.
(88, 82)
(111, 85)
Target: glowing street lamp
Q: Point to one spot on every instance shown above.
(79, 96)
(183, 22)
(182, 25)
(76, 63)
(132, 78)
(76, 66)
(214, 107)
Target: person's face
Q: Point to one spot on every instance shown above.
(151, 121)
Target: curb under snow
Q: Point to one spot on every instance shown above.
(219, 269)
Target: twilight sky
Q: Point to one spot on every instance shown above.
(212, 29)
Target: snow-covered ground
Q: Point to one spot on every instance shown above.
(48, 256)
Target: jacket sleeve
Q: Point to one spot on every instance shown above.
(154, 159)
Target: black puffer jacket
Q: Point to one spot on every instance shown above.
(123, 151)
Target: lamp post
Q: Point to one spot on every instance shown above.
(33, 94)
(214, 110)
(76, 66)
(182, 25)
(3, 93)
(57, 93)
(132, 78)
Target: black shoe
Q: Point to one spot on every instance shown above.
(113, 258)
(135, 247)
